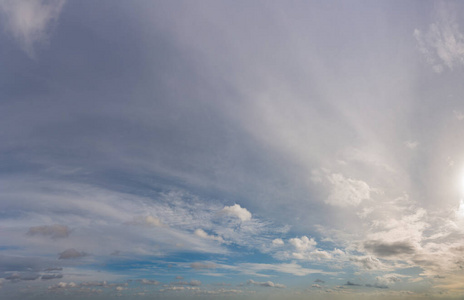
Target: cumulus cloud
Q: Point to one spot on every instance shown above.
(305, 249)
(278, 242)
(368, 263)
(347, 191)
(53, 231)
(30, 21)
(201, 233)
(236, 210)
(71, 254)
(266, 284)
(442, 45)
(62, 285)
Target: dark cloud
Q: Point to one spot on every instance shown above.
(352, 284)
(71, 253)
(378, 286)
(384, 249)
(53, 269)
(53, 231)
(51, 276)
(319, 281)
(22, 276)
(179, 277)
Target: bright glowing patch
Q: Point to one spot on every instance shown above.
(460, 212)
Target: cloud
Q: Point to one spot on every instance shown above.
(347, 191)
(368, 263)
(443, 43)
(51, 276)
(189, 283)
(306, 249)
(148, 281)
(411, 144)
(319, 281)
(352, 284)
(200, 266)
(30, 21)
(266, 284)
(384, 249)
(201, 233)
(146, 221)
(278, 242)
(237, 211)
(53, 231)
(62, 285)
(289, 268)
(71, 254)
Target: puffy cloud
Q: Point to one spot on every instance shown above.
(278, 242)
(303, 243)
(368, 263)
(30, 21)
(54, 231)
(201, 233)
(237, 211)
(266, 284)
(71, 253)
(347, 191)
(62, 285)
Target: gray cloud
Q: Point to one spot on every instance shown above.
(352, 284)
(51, 276)
(385, 249)
(54, 231)
(71, 254)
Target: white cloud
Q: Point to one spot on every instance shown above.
(266, 284)
(201, 233)
(443, 44)
(29, 21)
(237, 211)
(278, 242)
(347, 191)
(289, 268)
(303, 244)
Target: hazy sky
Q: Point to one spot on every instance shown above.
(231, 149)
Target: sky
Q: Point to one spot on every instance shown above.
(231, 149)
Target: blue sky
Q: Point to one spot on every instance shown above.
(231, 149)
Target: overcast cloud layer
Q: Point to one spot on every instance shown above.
(237, 149)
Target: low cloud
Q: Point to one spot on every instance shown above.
(51, 276)
(71, 254)
(384, 249)
(54, 231)
(266, 284)
(201, 233)
(187, 283)
(236, 210)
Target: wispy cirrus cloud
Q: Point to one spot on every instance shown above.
(30, 21)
